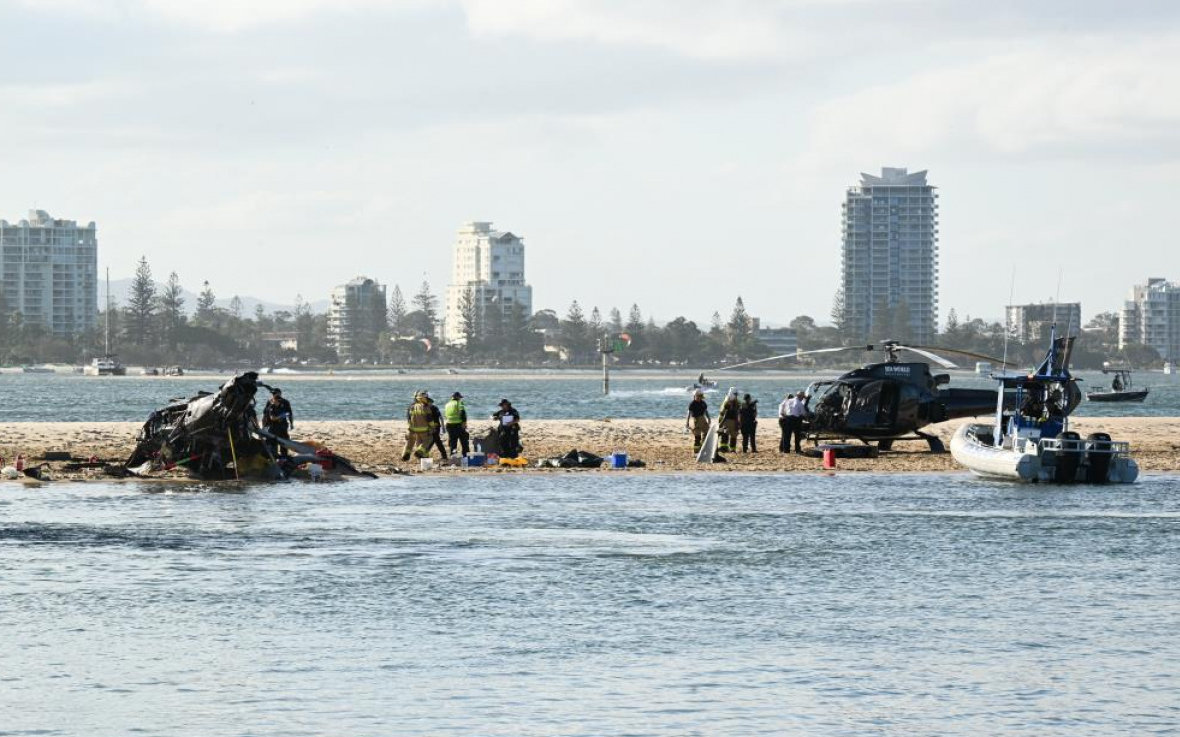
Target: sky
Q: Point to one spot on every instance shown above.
(670, 153)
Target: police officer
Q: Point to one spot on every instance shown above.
(278, 419)
(455, 417)
(508, 429)
(418, 437)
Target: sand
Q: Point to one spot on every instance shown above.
(661, 444)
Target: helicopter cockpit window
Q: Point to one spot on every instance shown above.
(875, 405)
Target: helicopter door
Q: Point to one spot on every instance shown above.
(875, 405)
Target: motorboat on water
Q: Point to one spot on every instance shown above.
(1030, 439)
(1121, 387)
(702, 385)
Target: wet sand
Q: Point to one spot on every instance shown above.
(661, 444)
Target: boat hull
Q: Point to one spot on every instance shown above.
(1041, 461)
(1135, 396)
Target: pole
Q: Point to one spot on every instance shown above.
(605, 374)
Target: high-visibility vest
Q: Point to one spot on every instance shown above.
(454, 412)
(420, 417)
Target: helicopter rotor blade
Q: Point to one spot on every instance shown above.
(945, 363)
(797, 354)
(969, 354)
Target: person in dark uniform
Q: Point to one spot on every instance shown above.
(278, 419)
(508, 429)
(748, 423)
(697, 420)
(436, 427)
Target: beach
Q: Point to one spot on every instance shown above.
(662, 445)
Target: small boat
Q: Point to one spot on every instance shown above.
(702, 385)
(1169, 368)
(1030, 439)
(36, 370)
(174, 371)
(148, 371)
(1121, 388)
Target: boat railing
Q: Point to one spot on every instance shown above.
(1079, 445)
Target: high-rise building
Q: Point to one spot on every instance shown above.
(1152, 317)
(1032, 322)
(890, 258)
(49, 273)
(356, 317)
(489, 265)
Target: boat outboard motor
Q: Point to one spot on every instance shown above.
(1098, 458)
(1066, 470)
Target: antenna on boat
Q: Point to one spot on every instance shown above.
(1008, 315)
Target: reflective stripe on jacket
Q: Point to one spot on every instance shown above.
(420, 417)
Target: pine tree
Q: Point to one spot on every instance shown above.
(469, 315)
(172, 310)
(142, 306)
(616, 321)
(205, 304)
(427, 304)
(594, 325)
(235, 307)
(397, 312)
(738, 328)
(573, 332)
(840, 315)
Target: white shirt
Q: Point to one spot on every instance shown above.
(784, 409)
(796, 407)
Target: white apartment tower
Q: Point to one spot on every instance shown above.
(490, 264)
(890, 256)
(49, 273)
(356, 317)
(1152, 317)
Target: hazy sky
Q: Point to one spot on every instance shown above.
(670, 152)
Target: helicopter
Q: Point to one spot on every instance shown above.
(887, 401)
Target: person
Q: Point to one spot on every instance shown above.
(796, 413)
(784, 424)
(697, 420)
(455, 416)
(1033, 407)
(1117, 384)
(436, 428)
(508, 429)
(727, 421)
(748, 420)
(278, 419)
(418, 437)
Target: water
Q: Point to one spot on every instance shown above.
(591, 604)
(69, 398)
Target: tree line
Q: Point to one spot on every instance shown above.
(156, 327)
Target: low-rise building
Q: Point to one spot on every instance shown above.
(1032, 321)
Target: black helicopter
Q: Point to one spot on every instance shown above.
(887, 401)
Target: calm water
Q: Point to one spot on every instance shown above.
(30, 397)
(592, 605)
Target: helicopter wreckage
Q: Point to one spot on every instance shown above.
(216, 436)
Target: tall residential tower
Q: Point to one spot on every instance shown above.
(49, 273)
(1152, 317)
(488, 264)
(890, 259)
